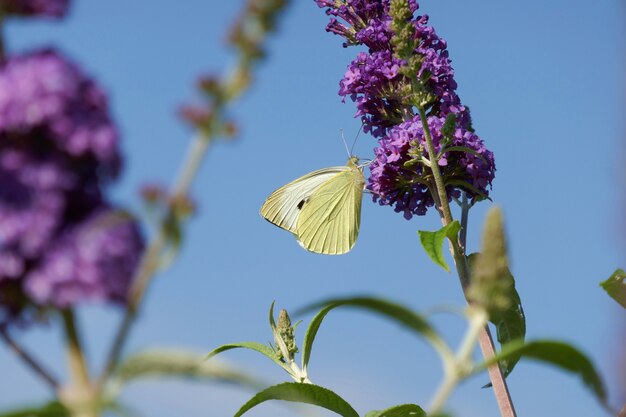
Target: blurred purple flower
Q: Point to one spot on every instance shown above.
(405, 187)
(47, 8)
(58, 148)
(92, 260)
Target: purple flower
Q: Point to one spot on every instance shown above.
(373, 79)
(92, 260)
(396, 180)
(47, 8)
(43, 94)
(58, 148)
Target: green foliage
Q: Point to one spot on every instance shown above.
(492, 286)
(302, 393)
(433, 242)
(178, 364)
(615, 286)
(397, 313)
(52, 409)
(561, 355)
(311, 332)
(403, 410)
(258, 347)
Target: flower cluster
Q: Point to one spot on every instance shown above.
(397, 180)
(406, 69)
(46, 8)
(58, 148)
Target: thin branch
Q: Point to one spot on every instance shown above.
(29, 360)
(501, 391)
(150, 260)
(75, 355)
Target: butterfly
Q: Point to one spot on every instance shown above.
(322, 208)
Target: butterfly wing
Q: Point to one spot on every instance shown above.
(284, 205)
(329, 221)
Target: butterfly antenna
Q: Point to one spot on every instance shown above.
(355, 138)
(344, 143)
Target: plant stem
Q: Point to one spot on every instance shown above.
(150, 259)
(503, 397)
(462, 361)
(29, 360)
(443, 393)
(79, 396)
(76, 359)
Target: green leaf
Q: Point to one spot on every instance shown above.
(467, 186)
(615, 286)
(403, 410)
(310, 334)
(492, 286)
(433, 242)
(52, 409)
(259, 347)
(465, 149)
(164, 363)
(301, 393)
(559, 354)
(510, 325)
(395, 312)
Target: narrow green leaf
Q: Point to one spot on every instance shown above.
(559, 354)
(164, 363)
(466, 185)
(52, 409)
(395, 312)
(465, 149)
(311, 332)
(615, 286)
(259, 347)
(301, 393)
(403, 410)
(433, 242)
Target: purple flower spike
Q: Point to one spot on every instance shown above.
(58, 148)
(400, 75)
(93, 260)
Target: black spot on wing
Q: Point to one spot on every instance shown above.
(302, 203)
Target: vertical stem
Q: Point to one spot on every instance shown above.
(150, 259)
(500, 388)
(76, 359)
(79, 396)
(501, 391)
(29, 360)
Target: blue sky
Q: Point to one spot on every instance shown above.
(545, 82)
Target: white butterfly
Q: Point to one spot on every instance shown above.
(322, 208)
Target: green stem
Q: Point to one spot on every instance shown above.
(77, 363)
(79, 396)
(150, 259)
(29, 360)
(503, 397)
(462, 362)
(450, 382)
